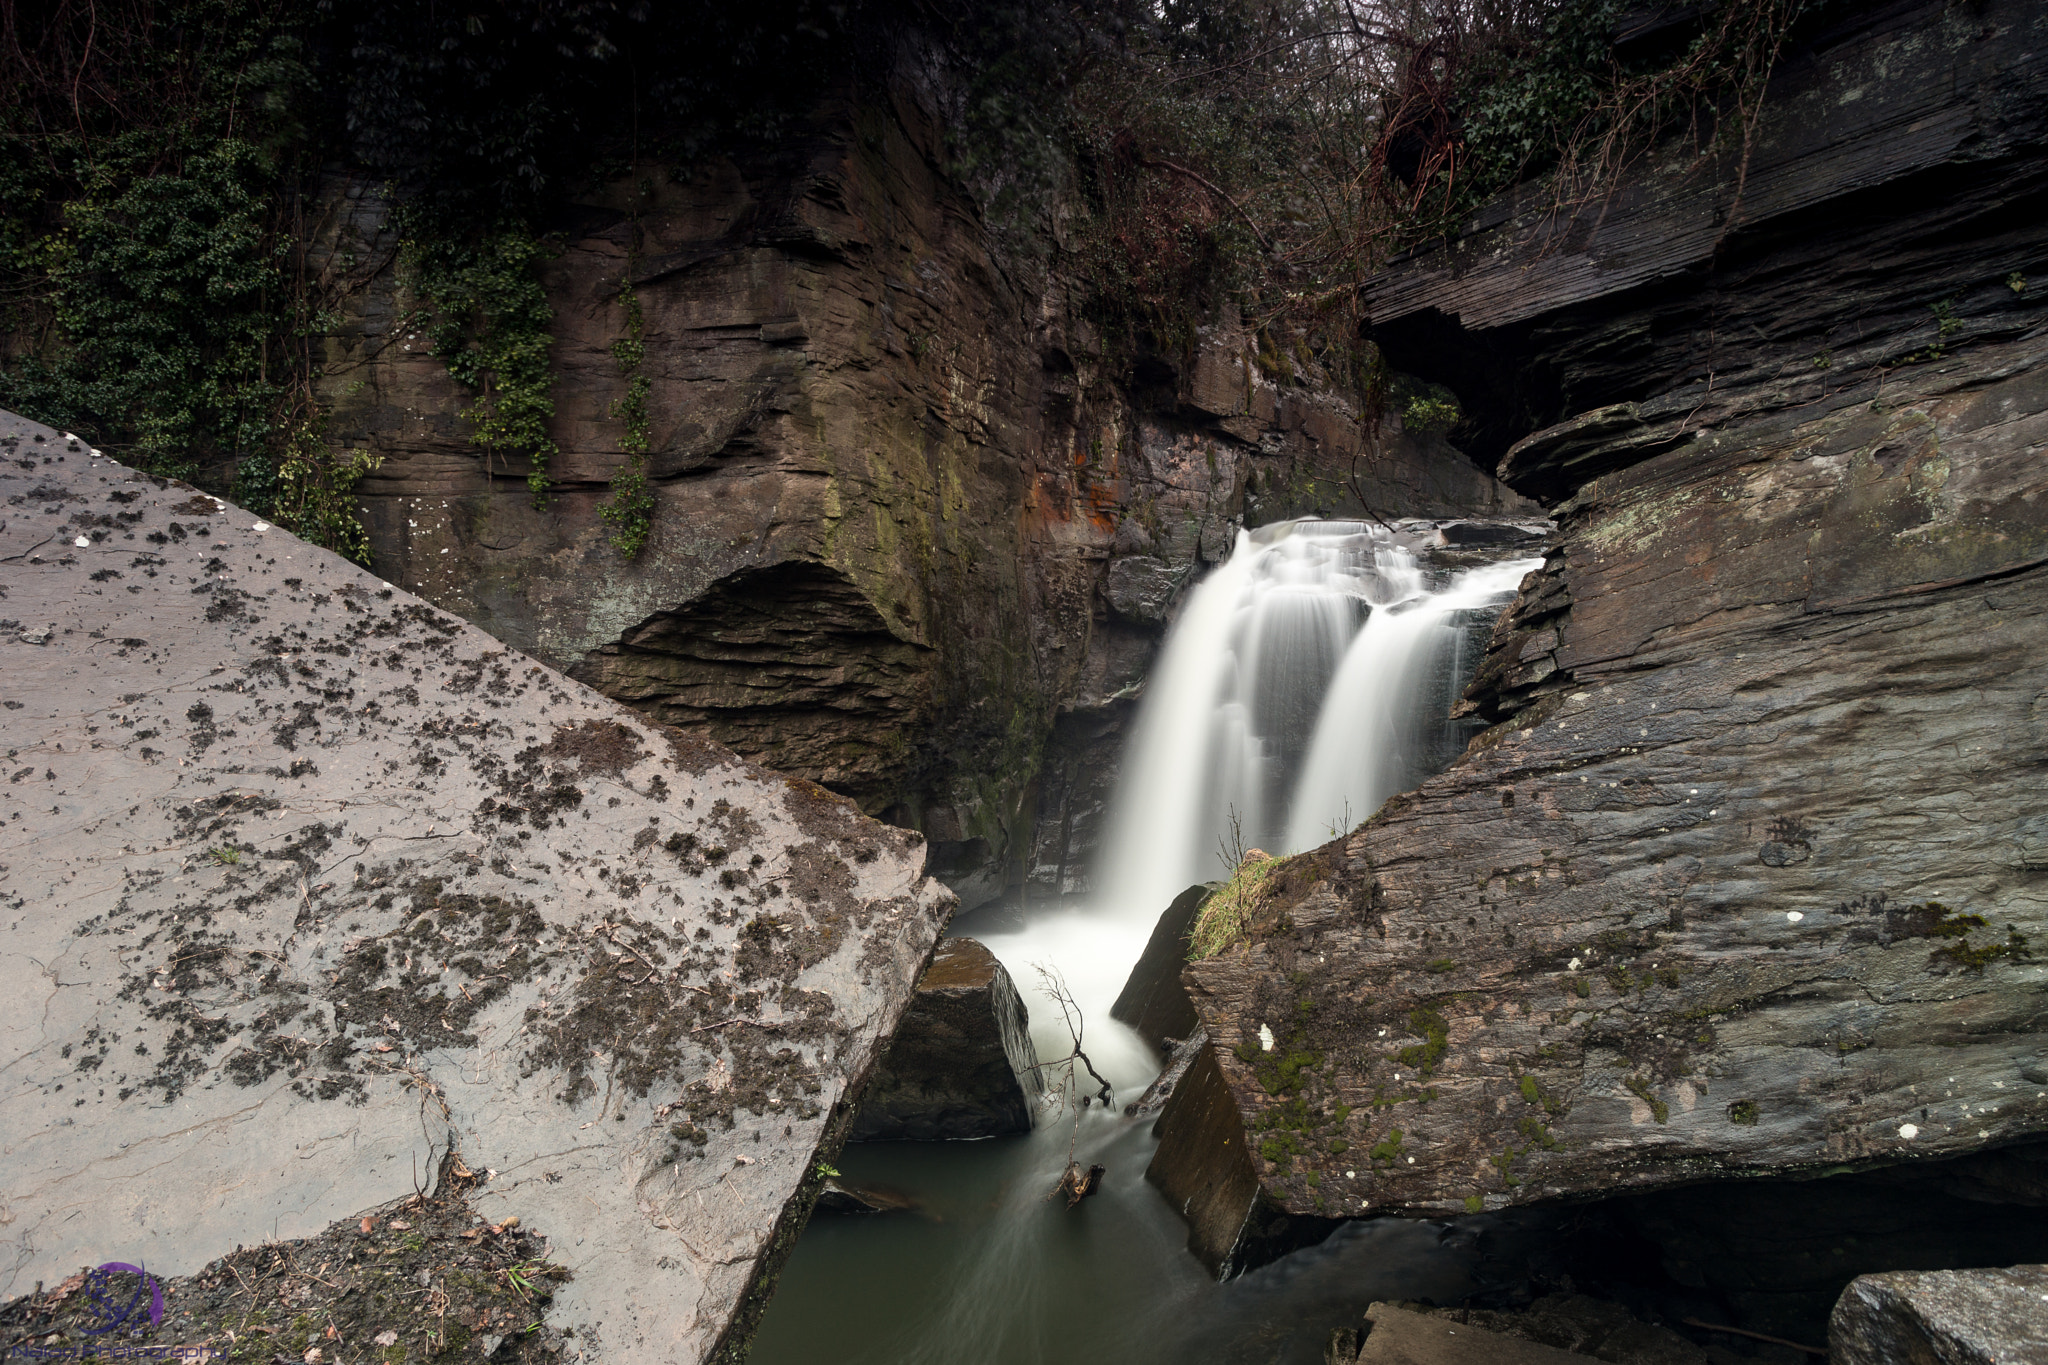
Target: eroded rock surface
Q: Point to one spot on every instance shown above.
(961, 1064)
(1751, 873)
(306, 882)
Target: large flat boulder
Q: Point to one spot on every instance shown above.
(1943, 1317)
(307, 883)
(962, 1064)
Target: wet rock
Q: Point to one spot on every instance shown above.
(308, 883)
(1400, 1336)
(1707, 899)
(1180, 1055)
(962, 1064)
(1947, 1317)
(1205, 1168)
(839, 1195)
(1153, 1001)
(1142, 588)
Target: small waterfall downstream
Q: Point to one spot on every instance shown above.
(1306, 679)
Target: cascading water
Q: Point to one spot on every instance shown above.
(1307, 679)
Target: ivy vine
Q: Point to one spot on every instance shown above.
(487, 317)
(629, 511)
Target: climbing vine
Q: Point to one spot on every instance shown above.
(629, 511)
(487, 317)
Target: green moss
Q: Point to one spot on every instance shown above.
(1745, 1113)
(1388, 1148)
(1436, 1036)
(1581, 987)
(1441, 965)
(1640, 1088)
(1975, 959)
(1530, 1091)
(1474, 1204)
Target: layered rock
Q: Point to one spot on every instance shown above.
(914, 515)
(309, 884)
(1748, 875)
(961, 1064)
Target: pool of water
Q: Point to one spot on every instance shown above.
(986, 1267)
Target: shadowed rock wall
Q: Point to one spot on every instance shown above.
(1751, 873)
(914, 513)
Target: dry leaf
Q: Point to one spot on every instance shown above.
(387, 1337)
(398, 1225)
(68, 1288)
(313, 1356)
(369, 1224)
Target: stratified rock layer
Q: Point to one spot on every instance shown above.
(961, 1064)
(1751, 873)
(306, 883)
(1943, 1317)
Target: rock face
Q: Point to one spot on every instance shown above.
(918, 528)
(1750, 873)
(308, 883)
(1953, 1317)
(1153, 1001)
(961, 1064)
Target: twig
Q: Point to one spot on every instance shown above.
(1755, 1336)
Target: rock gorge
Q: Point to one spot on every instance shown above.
(1749, 874)
(919, 523)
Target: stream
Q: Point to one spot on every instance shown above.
(1306, 679)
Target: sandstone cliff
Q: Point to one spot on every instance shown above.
(1751, 873)
(915, 512)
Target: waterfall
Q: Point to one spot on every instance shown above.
(1308, 676)
(1307, 679)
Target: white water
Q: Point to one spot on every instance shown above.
(1307, 679)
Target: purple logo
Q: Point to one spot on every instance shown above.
(110, 1308)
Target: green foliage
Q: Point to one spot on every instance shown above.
(141, 229)
(314, 493)
(225, 856)
(629, 511)
(1426, 413)
(1474, 1204)
(1226, 914)
(488, 317)
(1745, 1113)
